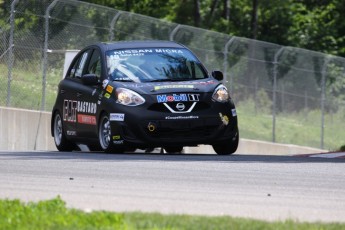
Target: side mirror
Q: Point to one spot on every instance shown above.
(90, 79)
(218, 75)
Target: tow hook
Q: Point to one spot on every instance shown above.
(151, 126)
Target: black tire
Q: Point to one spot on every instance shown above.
(174, 149)
(226, 148)
(104, 136)
(61, 142)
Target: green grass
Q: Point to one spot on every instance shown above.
(26, 88)
(303, 128)
(53, 214)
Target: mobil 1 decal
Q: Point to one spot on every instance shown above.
(72, 112)
(177, 97)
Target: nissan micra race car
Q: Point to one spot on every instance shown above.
(131, 95)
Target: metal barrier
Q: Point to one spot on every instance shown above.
(283, 94)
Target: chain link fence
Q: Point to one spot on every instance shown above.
(283, 94)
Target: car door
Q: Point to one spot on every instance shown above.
(68, 93)
(88, 96)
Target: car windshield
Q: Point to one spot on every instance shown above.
(153, 65)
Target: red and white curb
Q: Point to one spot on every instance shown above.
(325, 155)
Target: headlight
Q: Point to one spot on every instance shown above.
(221, 94)
(128, 97)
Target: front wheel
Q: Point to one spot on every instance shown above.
(61, 142)
(228, 147)
(105, 136)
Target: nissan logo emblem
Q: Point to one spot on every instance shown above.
(180, 106)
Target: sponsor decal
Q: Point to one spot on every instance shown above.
(193, 97)
(171, 98)
(141, 52)
(86, 119)
(177, 97)
(234, 113)
(117, 137)
(105, 83)
(109, 89)
(224, 119)
(211, 82)
(117, 117)
(87, 107)
(160, 87)
(107, 95)
(71, 108)
(69, 111)
(119, 142)
(181, 117)
(71, 133)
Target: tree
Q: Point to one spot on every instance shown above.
(254, 21)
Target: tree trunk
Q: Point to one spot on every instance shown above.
(226, 12)
(211, 14)
(128, 5)
(197, 13)
(254, 22)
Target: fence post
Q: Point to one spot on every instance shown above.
(171, 36)
(112, 25)
(323, 98)
(275, 72)
(45, 54)
(225, 61)
(10, 54)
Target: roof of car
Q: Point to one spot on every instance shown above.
(139, 44)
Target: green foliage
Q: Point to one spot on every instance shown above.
(315, 25)
(53, 214)
(342, 148)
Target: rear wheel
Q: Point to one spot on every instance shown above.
(105, 135)
(174, 149)
(61, 142)
(228, 147)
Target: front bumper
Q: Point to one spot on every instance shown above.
(154, 129)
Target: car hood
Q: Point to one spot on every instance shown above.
(202, 86)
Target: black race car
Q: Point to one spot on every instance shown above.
(122, 96)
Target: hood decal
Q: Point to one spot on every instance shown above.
(159, 87)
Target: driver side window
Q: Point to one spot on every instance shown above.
(95, 64)
(77, 69)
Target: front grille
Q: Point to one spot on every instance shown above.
(159, 107)
(184, 129)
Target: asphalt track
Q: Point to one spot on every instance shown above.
(260, 187)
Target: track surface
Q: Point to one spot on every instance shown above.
(261, 187)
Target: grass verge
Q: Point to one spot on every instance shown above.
(53, 214)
